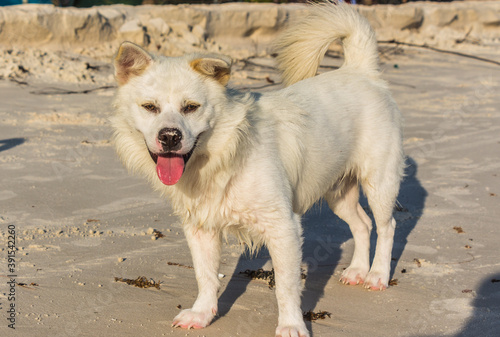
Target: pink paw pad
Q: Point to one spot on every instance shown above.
(188, 326)
(378, 286)
(189, 319)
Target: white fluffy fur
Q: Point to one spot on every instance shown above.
(262, 160)
(301, 47)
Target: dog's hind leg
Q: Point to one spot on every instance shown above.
(381, 188)
(205, 249)
(345, 203)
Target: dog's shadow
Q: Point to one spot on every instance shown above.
(485, 319)
(324, 234)
(7, 144)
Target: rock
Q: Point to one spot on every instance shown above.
(131, 31)
(199, 32)
(182, 30)
(180, 27)
(157, 25)
(232, 25)
(55, 41)
(397, 18)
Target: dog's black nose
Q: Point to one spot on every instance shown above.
(170, 139)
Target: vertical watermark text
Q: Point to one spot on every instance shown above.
(10, 306)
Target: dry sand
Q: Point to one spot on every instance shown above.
(81, 220)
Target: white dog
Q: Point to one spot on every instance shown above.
(251, 164)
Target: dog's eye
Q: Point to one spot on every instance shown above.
(150, 107)
(190, 107)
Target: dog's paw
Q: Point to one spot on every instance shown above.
(189, 319)
(353, 276)
(292, 331)
(377, 280)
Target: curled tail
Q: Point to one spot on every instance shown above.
(302, 46)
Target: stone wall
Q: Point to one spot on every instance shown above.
(47, 43)
(234, 28)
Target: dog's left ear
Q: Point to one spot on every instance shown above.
(217, 67)
(131, 60)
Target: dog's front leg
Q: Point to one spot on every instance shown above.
(284, 244)
(205, 249)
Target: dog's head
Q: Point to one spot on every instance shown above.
(171, 101)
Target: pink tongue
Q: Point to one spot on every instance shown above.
(170, 168)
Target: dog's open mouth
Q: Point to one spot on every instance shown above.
(170, 166)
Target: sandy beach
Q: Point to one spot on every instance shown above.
(80, 220)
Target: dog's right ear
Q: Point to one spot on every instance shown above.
(131, 60)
